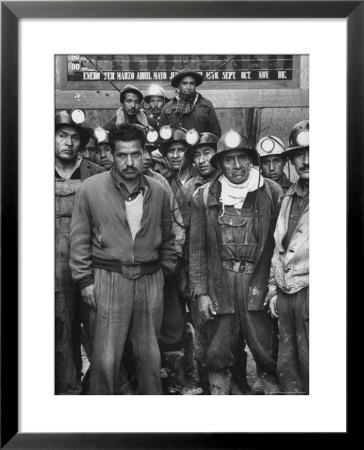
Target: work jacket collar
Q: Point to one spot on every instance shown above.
(297, 189)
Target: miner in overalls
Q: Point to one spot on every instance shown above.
(289, 281)
(201, 154)
(231, 244)
(70, 171)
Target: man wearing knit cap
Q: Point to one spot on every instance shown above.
(231, 243)
(189, 109)
(122, 247)
(130, 111)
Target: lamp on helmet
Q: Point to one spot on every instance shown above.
(233, 140)
(299, 136)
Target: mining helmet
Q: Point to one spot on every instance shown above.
(233, 140)
(176, 135)
(270, 146)
(150, 146)
(186, 73)
(156, 91)
(207, 138)
(130, 88)
(73, 119)
(102, 136)
(299, 136)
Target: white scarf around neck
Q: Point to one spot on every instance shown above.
(235, 194)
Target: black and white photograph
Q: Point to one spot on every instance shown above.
(181, 224)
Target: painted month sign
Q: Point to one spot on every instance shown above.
(162, 68)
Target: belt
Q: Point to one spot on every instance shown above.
(238, 266)
(131, 271)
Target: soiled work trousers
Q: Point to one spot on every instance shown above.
(215, 339)
(174, 321)
(132, 308)
(293, 354)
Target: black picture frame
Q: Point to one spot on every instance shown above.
(11, 12)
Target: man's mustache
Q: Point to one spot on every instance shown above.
(305, 167)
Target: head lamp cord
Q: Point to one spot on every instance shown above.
(289, 169)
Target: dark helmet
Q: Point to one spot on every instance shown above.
(130, 88)
(65, 119)
(233, 140)
(186, 73)
(178, 135)
(206, 138)
(299, 137)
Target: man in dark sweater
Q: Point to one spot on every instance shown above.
(122, 246)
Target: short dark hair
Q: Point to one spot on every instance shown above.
(126, 133)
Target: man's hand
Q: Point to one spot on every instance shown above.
(273, 307)
(88, 295)
(205, 307)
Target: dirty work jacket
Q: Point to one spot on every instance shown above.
(100, 235)
(205, 241)
(203, 117)
(290, 269)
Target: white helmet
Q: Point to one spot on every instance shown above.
(270, 145)
(155, 91)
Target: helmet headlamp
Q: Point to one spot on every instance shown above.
(268, 145)
(302, 138)
(100, 134)
(232, 139)
(152, 136)
(192, 137)
(166, 132)
(78, 116)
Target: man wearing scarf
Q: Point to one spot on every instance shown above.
(130, 113)
(231, 244)
(189, 109)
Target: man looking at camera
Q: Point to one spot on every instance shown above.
(122, 246)
(189, 109)
(130, 110)
(289, 288)
(70, 170)
(231, 243)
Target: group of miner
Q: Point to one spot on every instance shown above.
(178, 249)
